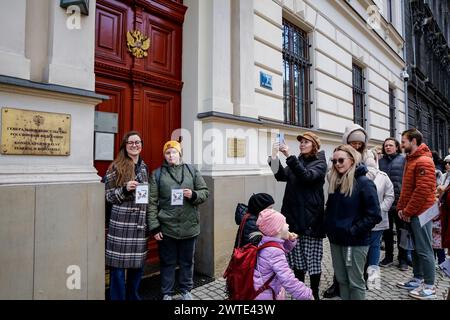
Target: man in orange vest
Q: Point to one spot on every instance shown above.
(416, 197)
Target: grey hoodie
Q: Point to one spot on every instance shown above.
(351, 128)
(348, 131)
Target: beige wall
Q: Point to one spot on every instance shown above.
(12, 45)
(218, 228)
(51, 207)
(40, 43)
(44, 229)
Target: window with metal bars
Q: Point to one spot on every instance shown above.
(296, 64)
(358, 96)
(392, 112)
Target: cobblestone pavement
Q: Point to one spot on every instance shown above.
(387, 291)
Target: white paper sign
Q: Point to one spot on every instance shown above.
(177, 197)
(142, 194)
(104, 146)
(429, 214)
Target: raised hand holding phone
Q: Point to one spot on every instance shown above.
(284, 149)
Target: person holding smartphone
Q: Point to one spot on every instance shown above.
(303, 203)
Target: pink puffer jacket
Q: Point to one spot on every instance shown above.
(273, 260)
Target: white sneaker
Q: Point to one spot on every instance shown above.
(424, 293)
(186, 296)
(416, 290)
(167, 297)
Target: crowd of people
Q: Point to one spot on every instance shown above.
(370, 193)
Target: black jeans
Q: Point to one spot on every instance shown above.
(388, 236)
(172, 252)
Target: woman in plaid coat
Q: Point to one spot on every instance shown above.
(126, 242)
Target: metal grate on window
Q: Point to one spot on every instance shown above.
(296, 66)
(358, 96)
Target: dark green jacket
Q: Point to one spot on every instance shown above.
(179, 222)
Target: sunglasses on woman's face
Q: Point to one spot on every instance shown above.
(338, 160)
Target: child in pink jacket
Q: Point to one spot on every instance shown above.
(272, 260)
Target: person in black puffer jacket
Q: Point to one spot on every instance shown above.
(303, 204)
(352, 211)
(393, 163)
(257, 203)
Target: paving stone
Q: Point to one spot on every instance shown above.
(388, 291)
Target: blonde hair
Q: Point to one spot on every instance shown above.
(346, 180)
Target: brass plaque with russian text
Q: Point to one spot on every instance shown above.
(236, 148)
(28, 132)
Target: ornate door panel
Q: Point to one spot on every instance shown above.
(160, 112)
(165, 37)
(113, 20)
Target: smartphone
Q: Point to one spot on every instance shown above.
(280, 138)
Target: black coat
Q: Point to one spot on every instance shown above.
(393, 166)
(303, 201)
(249, 227)
(349, 220)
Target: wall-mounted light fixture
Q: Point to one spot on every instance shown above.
(82, 4)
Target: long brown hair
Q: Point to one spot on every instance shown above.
(123, 164)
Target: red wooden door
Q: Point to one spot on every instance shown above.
(145, 92)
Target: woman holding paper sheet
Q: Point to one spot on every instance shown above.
(176, 190)
(126, 242)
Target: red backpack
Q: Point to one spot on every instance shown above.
(239, 273)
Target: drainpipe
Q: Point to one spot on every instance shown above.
(405, 71)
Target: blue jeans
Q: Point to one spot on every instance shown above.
(373, 256)
(172, 252)
(118, 290)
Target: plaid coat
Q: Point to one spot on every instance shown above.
(126, 241)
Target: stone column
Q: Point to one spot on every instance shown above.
(69, 66)
(242, 58)
(13, 62)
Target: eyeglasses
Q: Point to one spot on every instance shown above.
(136, 143)
(339, 160)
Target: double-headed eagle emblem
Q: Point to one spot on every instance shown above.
(137, 43)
